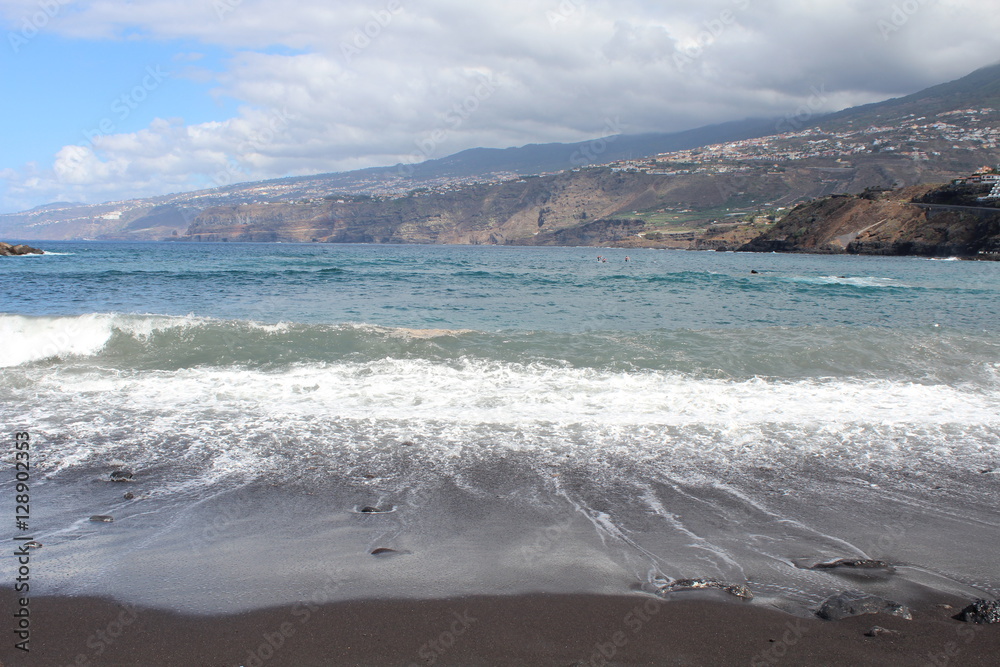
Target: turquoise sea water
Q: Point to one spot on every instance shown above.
(686, 415)
(562, 290)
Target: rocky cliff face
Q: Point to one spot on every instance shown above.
(886, 223)
(526, 211)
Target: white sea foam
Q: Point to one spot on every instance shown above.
(26, 339)
(226, 416)
(853, 281)
(487, 392)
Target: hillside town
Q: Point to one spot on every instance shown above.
(917, 138)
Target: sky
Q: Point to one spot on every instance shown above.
(114, 99)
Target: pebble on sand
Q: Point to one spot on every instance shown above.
(982, 612)
(879, 631)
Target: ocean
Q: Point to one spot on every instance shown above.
(522, 420)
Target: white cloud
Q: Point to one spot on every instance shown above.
(370, 83)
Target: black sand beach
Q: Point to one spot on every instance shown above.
(517, 630)
(275, 575)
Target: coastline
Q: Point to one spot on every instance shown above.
(535, 629)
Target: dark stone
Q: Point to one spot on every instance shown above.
(368, 509)
(102, 518)
(739, 590)
(981, 612)
(860, 564)
(121, 476)
(8, 250)
(129, 496)
(854, 603)
(879, 631)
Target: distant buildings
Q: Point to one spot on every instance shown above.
(987, 175)
(913, 137)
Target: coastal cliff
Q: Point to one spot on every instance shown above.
(596, 208)
(899, 222)
(528, 211)
(585, 207)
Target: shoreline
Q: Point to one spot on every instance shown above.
(539, 629)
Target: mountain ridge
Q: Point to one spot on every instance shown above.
(743, 183)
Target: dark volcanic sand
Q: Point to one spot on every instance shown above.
(517, 630)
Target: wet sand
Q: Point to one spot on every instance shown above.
(516, 630)
(568, 568)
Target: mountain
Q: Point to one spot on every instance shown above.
(675, 184)
(542, 158)
(980, 89)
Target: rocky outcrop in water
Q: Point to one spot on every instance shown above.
(8, 250)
